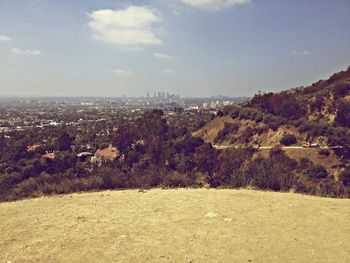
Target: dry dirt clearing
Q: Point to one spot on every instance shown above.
(176, 226)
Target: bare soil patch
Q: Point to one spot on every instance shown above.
(176, 226)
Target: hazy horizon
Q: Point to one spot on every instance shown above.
(194, 48)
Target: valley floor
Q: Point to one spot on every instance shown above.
(182, 225)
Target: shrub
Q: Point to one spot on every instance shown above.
(275, 172)
(276, 150)
(324, 152)
(331, 188)
(228, 128)
(344, 177)
(341, 90)
(273, 122)
(270, 174)
(343, 113)
(288, 139)
(228, 109)
(220, 113)
(305, 163)
(317, 172)
(176, 179)
(247, 134)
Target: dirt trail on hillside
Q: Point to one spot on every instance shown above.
(176, 226)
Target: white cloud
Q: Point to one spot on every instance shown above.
(162, 56)
(4, 39)
(300, 53)
(123, 72)
(168, 71)
(28, 52)
(132, 27)
(213, 4)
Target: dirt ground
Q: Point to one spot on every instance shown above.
(176, 226)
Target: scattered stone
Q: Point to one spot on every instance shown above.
(228, 219)
(81, 218)
(211, 214)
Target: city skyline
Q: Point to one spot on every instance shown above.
(193, 48)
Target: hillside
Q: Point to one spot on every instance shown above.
(268, 116)
(315, 115)
(176, 226)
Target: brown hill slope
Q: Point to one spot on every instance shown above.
(310, 114)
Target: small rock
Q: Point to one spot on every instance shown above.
(211, 214)
(81, 218)
(228, 219)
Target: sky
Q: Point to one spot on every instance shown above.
(196, 48)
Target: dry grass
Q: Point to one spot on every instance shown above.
(176, 226)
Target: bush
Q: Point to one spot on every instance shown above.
(341, 90)
(176, 179)
(228, 128)
(275, 172)
(317, 172)
(344, 177)
(331, 188)
(274, 122)
(343, 113)
(324, 152)
(288, 139)
(305, 163)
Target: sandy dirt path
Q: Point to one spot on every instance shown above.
(176, 226)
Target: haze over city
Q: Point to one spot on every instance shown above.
(186, 47)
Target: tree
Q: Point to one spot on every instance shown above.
(290, 109)
(65, 141)
(343, 114)
(2, 143)
(317, 172)
(344, 177)
(125, 137)
(288, 139)
(205, 158)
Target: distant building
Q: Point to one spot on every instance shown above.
(107, 154)
(83, 156)
(33, 147)
(48, 155)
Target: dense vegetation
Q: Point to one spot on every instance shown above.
(154, 154)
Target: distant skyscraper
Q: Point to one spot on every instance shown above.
(147, 95)
(159, 94)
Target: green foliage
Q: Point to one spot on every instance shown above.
(281, 104)
(288, 139)
(341, 90)
(344, 177)
(274, 173)
(324, 152)
(176, 179)
(65, 141)
(317, 172)
(228, 129)
(156, 154)
(274, 122)
(343, 114)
